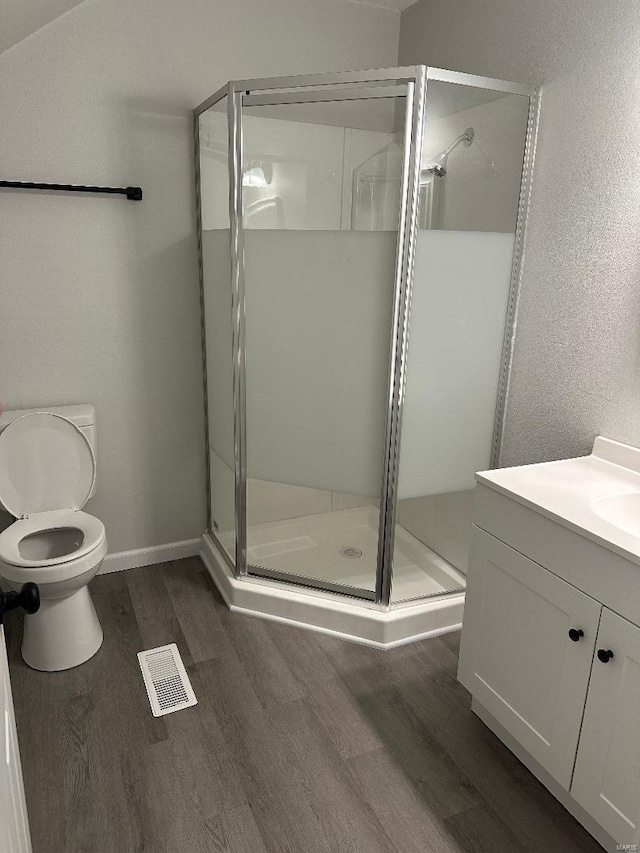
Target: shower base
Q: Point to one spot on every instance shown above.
(342, 547)
(332, 541)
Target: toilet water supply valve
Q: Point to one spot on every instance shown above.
(28, 598)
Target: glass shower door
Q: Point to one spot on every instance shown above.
(322, 181)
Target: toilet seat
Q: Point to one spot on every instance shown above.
(91, 528)
(47, 472)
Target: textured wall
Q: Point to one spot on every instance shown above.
(99, 296)
(577, 358)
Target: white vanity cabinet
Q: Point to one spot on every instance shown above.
(550, 652)
(516, 656)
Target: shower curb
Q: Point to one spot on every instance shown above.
(362, 622)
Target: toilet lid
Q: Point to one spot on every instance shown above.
(46, 463)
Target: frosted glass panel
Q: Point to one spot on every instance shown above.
(318, 320)
(460, 295)
(216, 275)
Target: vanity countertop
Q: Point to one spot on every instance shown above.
(597, 496)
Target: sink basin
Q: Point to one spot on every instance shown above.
(597, 496)
(622, 510)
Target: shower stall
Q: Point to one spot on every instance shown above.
(360, 239)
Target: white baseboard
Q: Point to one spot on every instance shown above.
(122, 560)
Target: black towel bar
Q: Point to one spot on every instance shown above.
(132, 193)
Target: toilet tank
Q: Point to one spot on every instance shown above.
(83, 416)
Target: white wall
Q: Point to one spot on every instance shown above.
(99, 296)
(577, 357)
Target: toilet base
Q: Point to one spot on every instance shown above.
(64, 633)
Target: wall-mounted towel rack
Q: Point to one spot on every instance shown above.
(132, 193)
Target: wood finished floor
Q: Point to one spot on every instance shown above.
(300, 743)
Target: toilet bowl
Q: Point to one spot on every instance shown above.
(47, 472)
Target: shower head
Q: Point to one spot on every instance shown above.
(438, 165)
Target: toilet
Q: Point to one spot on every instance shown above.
(47, 474)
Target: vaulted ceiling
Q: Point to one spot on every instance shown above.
(21, 18)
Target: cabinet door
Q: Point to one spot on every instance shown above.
(516, 655)
(606, 781)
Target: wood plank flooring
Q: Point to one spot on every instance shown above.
(300, 743)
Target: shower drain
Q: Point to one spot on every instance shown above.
(350, 551)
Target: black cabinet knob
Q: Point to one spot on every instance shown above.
(605, 655)
(28, 598)
(575, 634)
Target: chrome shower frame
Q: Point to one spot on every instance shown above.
(412, 83)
